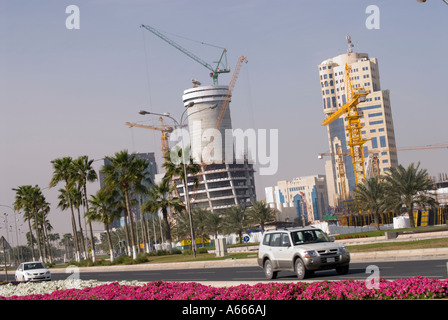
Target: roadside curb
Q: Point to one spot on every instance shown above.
(390, 255)
(228, 263)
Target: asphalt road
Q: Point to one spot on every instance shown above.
(389, 270)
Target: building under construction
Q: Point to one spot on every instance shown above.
(223, 183)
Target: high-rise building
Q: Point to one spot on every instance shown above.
(377, 121)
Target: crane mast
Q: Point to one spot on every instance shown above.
(354, 125)
(225, 104)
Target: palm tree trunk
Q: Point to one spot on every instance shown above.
(75, 231)
(144, 228)
(93, 242)
(410, 208)
(376, 221)
(39, 245)
(48, 245)
(31, 239)
(167, 229)
(75, 236)
(126, 231)
(131, 222)
(83, 244)
(86, 201)
(109, 239)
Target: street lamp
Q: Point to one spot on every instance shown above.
(185, 159)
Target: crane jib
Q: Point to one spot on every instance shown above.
(214, 71)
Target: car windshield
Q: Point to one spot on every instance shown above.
(308, 236)
(30, 266)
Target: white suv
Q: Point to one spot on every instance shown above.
(301, 250)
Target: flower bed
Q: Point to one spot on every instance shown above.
(412, 288)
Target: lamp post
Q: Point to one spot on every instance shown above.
(185, 161)
(15, 223)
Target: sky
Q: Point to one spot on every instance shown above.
(68, 92)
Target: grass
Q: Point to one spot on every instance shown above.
(382, 232)
(400, 245)
(199, 257)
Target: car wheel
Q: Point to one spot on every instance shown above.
(269, 270)
(300, 269)
(342, 270)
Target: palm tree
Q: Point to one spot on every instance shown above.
(21, 203)
(65, 201)
(235, 219)
(67, 241)
(85, 173)
(77, 200)
(370, 196)
(213, 223)
(104, 209)
(31, 200)
(122, 172)
(159, 200)
(407, 186)
(63, 171)
(200, 221)
(141, 189)
(45, 226)
(182, 170)
(260, 213)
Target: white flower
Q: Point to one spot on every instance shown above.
(24, 289)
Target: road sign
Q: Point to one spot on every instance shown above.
(4, 243)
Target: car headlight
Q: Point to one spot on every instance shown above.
(28, 274)
(343, 250)
(310, 254)
(47, 273)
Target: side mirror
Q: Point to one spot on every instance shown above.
(332, 239)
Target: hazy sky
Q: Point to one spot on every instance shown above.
(68, 92)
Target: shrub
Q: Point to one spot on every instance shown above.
(202, 250)
(142, 258)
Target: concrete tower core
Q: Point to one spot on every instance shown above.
(207, 144)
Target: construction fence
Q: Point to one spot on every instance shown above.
(425, 217)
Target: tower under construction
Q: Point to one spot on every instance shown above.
(223, 182)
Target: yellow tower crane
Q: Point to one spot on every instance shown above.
(354, 126)
(164, 130)
(164, 140)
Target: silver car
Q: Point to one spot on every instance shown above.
(32, 271)
(301, 250)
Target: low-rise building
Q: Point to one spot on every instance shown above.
(303, 200)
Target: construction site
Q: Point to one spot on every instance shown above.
(220, 184)
(360, 129)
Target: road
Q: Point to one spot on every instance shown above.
(389, 270)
